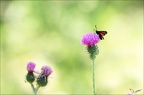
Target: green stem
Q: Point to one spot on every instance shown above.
(93, 76)
(37, 88)
(34, 90)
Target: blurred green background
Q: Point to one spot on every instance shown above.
(49, 33)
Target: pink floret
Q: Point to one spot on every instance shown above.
(30, 67)
(90, 39)
(46, 70)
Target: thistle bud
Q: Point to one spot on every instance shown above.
(30, 77)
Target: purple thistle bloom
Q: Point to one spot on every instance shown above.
(46, 70)
(90, 39)
(30, 67)
(129, 94)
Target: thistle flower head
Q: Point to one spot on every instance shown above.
(30, 67)
(42, 79)
(90, 39)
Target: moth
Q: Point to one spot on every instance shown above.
(101, 34)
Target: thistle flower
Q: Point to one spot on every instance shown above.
(42, 79)
(30, 68)
(90, 39)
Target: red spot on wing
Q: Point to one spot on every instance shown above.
(102, 33)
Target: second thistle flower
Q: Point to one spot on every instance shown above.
(42, 79)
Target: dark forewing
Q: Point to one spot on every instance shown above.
(101, 34)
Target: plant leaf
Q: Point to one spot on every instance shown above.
(138, 90)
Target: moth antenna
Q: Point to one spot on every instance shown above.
(96, 27)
